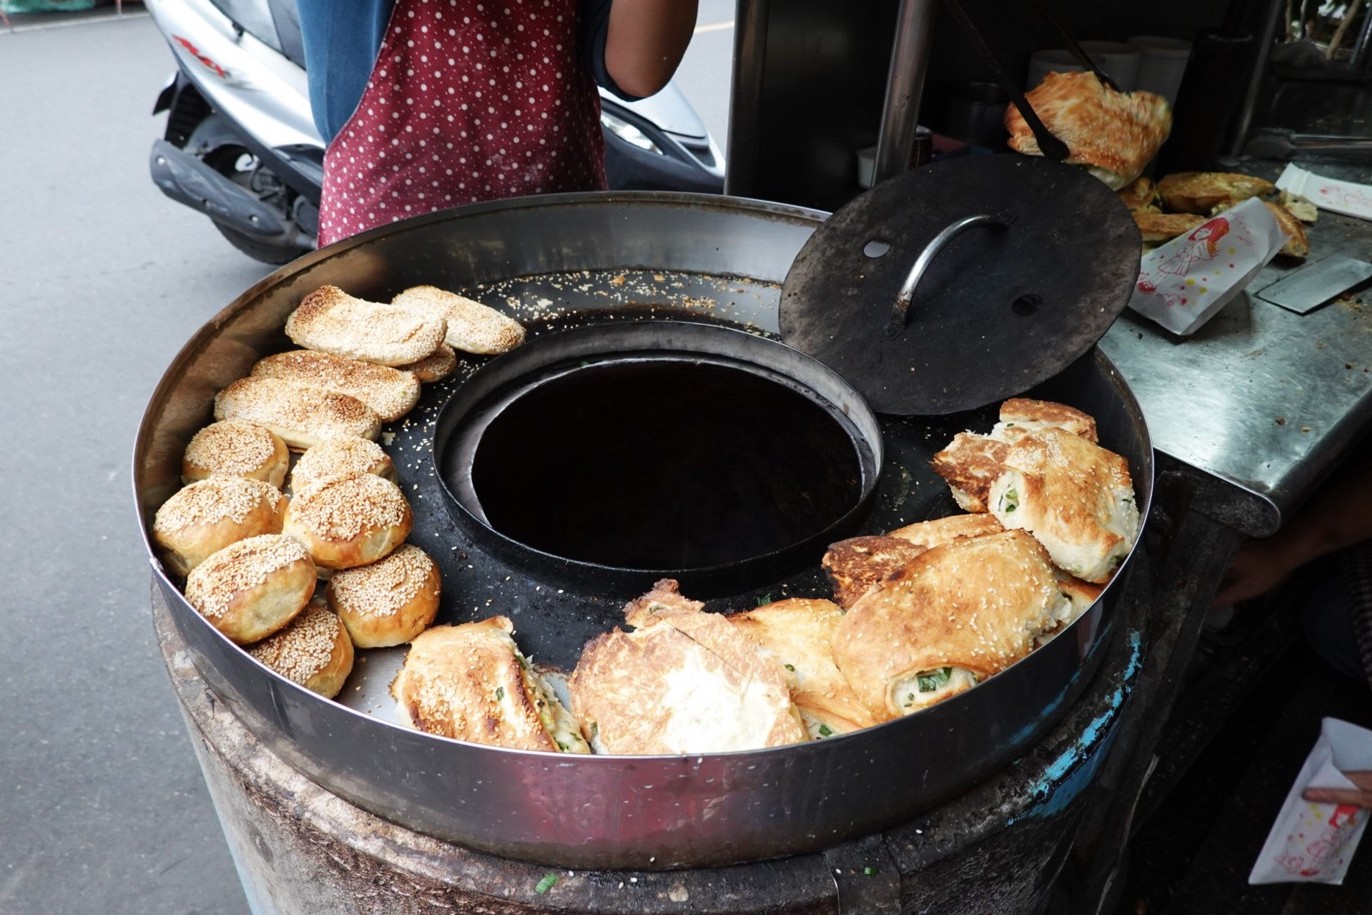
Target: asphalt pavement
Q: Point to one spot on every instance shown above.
(102, 281)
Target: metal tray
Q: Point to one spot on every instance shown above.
(562, 261)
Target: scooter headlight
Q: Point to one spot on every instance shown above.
(629, 133)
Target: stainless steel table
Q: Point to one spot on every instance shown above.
(1262, 399)
(1247, 416)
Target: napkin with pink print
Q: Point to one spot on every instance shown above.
(1345, 197)
(1311, 842)
(1184, 282)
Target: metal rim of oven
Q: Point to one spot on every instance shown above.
(626, 812)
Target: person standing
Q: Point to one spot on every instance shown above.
(430, 104)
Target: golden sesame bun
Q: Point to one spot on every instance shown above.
(340, 457)
(349, 521)
(210, 514)
(313, 650)
(253, 588)
(387, 602)
(236, 448)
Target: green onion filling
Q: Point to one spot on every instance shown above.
(1010, 501)
(932, 680)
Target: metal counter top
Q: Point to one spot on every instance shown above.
(1260, 398)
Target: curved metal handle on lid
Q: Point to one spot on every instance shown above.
(900, 311)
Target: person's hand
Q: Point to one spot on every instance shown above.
(1257, 568)
(1361, 796)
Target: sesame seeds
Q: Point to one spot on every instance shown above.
(212, 500)
(304, 647)
(233, 447)
(379, 588)
(339, 457)
(342, 508)
(239, 567)
(299, 413)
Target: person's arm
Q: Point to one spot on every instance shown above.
(645, 42)
(1339, 515)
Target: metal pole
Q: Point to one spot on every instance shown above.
(750, 54)
(1244, 122)
(904, 84)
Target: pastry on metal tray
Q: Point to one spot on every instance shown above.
(1113, 134)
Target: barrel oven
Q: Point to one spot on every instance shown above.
(697, 299)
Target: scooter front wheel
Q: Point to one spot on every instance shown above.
(239, 165)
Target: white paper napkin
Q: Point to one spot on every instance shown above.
(1313, 843)
(1344, 197)
(1184, 282)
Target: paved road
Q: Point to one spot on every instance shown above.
(102, 280)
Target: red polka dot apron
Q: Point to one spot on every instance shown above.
(467, 101)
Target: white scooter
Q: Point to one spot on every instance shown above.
(241, 147)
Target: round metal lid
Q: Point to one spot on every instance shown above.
(962, 282)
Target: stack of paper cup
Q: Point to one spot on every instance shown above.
(1162, 62)
(1049, 60)
(1117, 59)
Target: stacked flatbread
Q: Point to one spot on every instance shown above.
(1181, 202)
(1041, 470)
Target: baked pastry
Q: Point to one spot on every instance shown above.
(1140, 194)
(798, 634)
(1075, 497)
(938, 531)
(1297, 242)
(1020, 414)
(301, 415)
(434, 367)
(237, 448)
(1157, 227)
(390, 392)
(340, 457)
(686, 681)
(349, 521)
(855, 564)
(1206, 192)
(952, 617)
(206, 516)
(970, 463)
(1113, 134)
(1301, 208)
(470, 682)
(1080, 596)
(254, 587)
(312, 650)
(472, 327)
(329, 319)
(387, 602)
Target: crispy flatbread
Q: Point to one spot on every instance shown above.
(686, 681)
(1205, 192)
(390, 392)
(1113, 134)
(955, 615)
(330, 320)
(1074, 496)
(1020, 414)
(470, 682)
(970, 463)
(798, 633)
(855, 564)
